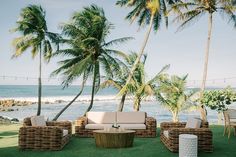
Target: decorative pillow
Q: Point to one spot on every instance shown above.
(38, 121)
(166, 133)
(65, 132)
(193, 123)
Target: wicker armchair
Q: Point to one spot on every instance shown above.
(204, 135)
(48, 137)
(150, 130)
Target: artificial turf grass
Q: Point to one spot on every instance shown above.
(85, 147)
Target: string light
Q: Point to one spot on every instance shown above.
(190, 82)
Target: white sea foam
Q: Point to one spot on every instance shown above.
(82, 98)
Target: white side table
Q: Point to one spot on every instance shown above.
(188, 145)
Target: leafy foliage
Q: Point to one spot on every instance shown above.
(219, 99)
(189, 12)
(143, 10)
(172, 94)
(35, 35)
(88, 53)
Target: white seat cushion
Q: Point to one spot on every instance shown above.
(193, 123)
(98, 126)
(65, 132)
(101, 117)
(38, 121)
(133, 126)
(131, 117)
(166, 133)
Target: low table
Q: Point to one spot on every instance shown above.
(188, 145)
(114, 138)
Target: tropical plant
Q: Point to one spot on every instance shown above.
(139, 86)
(149, 12)
(190, 11)
(172, 94)
(35, 35)
(88, 51)
(219, 100)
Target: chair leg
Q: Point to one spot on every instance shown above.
(225, 130)
(229, 131)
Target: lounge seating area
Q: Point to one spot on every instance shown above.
(143, 125)
(39, 134)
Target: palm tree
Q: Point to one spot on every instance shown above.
(137, 87)
(190, 11)
(88, 51)
(171, 94)
(35, 35)
(140, 87)
(149, 12)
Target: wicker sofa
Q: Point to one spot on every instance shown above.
(171, 141)
(49, 137)
(138, 121)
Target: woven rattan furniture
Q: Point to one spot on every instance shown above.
(171, 140)
(114, 138)
(48, 137)
(149, 131)
(187, 145)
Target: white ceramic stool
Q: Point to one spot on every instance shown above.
(188, 145)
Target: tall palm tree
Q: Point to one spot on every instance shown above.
(35, 35)
(172, 94)
(89, 53)
(150, 12)
(190, 11)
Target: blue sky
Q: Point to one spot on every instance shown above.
(184, 50)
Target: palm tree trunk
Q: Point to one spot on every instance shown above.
(71, 102)
(121, 105)
(137, 104)
(39, 82)
(93, 91)
(175, 117)
(202, 107)
(141, 50)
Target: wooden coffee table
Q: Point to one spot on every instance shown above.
(114, 138)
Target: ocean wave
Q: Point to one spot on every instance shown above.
(82, 98)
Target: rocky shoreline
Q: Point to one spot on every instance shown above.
(7, 120)
(11, 104)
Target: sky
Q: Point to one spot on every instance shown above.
(184, 50)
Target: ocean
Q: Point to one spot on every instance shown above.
(105, 100)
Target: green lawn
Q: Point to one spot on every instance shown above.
(85, 147)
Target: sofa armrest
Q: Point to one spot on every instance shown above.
(177, 131)
(62, 124)
(203, 134)
(169, 125)
(151, 123)
(31, 136)
(81, 122)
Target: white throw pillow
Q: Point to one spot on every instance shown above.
(193, 123)
(166, 133)
(38, 121)
(65, 132)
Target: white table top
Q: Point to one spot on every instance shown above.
(187, 136)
